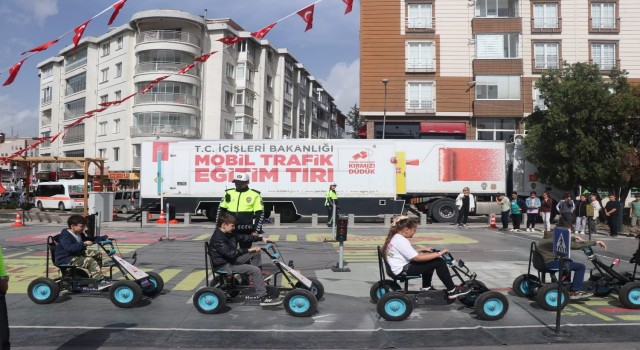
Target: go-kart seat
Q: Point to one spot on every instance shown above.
(52, 241)
(543, 269)
(386, 269)
(222, 272)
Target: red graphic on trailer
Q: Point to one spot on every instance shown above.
(414, 162)
(471, 164)
(160, 147)
(360, 165)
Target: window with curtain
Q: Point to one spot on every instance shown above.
(496, 8)
(496, 46)
(604, 55)
(419, 16)
(420, 95)
(603, 15)
(545, 15)
(546, 56)
(497, 87)
(420, 55)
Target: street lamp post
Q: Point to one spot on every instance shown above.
(384, 113)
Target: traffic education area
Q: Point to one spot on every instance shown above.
(345, 317)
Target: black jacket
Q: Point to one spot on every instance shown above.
(68, 247)
(223, 247)
(581, 208)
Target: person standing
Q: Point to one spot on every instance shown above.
(581, 215)
(466, 204)
(533, 206)
(593, 213)
(517, 207)
(613, 213)
(505, 209)
(635, 212)
(331, 200)
(565, 208)
(546, 205)
(4, 317)
(245, 205)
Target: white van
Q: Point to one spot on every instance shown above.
(62, 195)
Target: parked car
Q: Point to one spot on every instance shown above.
(127, 201)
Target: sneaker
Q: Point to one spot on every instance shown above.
(516, 230)
(579, 294)
(465, 225)
(426, 289)
(460, 225)
(269, 301)
(458, 291)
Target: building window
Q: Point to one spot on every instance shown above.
(230, 70)
(495, 129)
(116, 154)
(228, 98)
(118, 95)
(239, 97)
(288, 91)
(419, 16)
(496, 8)
(288, 69)
(102, 128)
(604, 55)
(228, 127)
(545, 15)
(116, 126)
(267, 132)
(75, 60)
(286, 115)
(546, 56)
(46, 72)
(240, 72)
(269, 107)
(420, 96)
(242, 46)
(603, 15)
(47, 94)
(106, 49)
(104, 75)
(269, 81)
(104, 99)
(538, 102)
(497, 87)
(102, 153)
(496, 46)
(118, 70)
(119, 43)
(74, 134)
(76, 84)
(74, 109)
(420, 56)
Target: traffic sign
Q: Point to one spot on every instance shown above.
(562, 242)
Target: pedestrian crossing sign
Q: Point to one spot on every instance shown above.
(562, 242)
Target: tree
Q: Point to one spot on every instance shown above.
(354, 121)
(588, 135)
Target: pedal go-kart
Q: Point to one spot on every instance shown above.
(604, 279)
(394, 303)
(302, 294)
(535, 286)
(125, 292)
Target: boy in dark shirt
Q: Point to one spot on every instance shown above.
(612, 212)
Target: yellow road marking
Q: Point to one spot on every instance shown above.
(202, 237)
(190, 282)
(591, 312)
(273, 238)
(629, 317)
(599, 302)
(292, 238)
(421, 239)
(168, 274)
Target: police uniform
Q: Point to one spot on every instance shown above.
(330, 199)
(246, 206)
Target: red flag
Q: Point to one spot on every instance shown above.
(42, 47)
(2, 189)
(157, 80)
(116, 9)
(186, 68)
(13, 71)
(128, 97)
(55, 137)
(230, 40)
(94, 111)
(307, 16)
(79, 31)
(262, 32)
(349, 6)
(204, 57)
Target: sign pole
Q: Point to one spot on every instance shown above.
(562, 250)
(159, 176)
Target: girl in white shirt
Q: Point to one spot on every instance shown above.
(402, 257)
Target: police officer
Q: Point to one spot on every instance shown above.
(331, 199)
(245, 205)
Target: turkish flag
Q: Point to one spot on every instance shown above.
(204, 57)
(42, 47)
(79, 30)
(128, 97)
(307, 16)
(94, 111)
(2, 189)
(186, 68)
(349, 6)
(13, 71)
(116, 9)
(230, 40)
(262, 32)
(55, 137)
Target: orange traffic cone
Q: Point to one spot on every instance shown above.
(18, 222)
(174, 221)
(149, 216)
(162, 219)
(492, 221)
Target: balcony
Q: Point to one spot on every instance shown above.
(167, 35)
(420, 106)
(160, 97)
(244, 110)
(75, 64)
(45, 122)
(187, 132)
(75, 87)
(73, 113)
(165, 67)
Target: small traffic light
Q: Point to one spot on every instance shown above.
(341, 228)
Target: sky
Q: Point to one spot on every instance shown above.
(329, 51)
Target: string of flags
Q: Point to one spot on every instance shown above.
(306, 14)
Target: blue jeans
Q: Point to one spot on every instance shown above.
(578, 272)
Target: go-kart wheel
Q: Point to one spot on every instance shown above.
(476, 288)
(43, 291)
(394, 306)
(300, 303)
(600, 285)
(525, 285)
(491, 306)
(125, 294)
(274, 292)
(548, 298)
(630, 295)
(209, 300)
(381, 288)
(157, 284)
(317, 288)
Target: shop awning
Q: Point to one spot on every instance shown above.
(443, 127)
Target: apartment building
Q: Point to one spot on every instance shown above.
(249, 90)
(466, 69)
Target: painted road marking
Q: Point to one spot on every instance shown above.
(591, 312)
(202, 237)
(426, 239)
(292, 238)
(192, 281)
(168, 274)
(629, 317)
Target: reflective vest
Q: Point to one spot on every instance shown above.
(330, 197)
(244, 206)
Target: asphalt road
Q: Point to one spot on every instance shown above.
(346, 319)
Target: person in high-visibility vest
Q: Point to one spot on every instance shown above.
(245, 204)
(331, 199)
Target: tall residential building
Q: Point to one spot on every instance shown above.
(466, 69)
(250, 90)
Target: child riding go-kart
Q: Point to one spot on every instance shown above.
(604, 279)
(125, 292)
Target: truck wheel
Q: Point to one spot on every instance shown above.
(43, 291)
(394, 306)
(630, 295)
(287, 213)
(491, 306)
(381, 288)
(209, 300)
(525, 285)
(444, 210)
(125, 294)
(61, 206)
(211, 213)
(300, 303)
(547, 297)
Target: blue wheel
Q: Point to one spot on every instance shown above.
(209, 300)
(43, 291)
(491, 306)
(300, 303)
(549, 299)
(125, 294)
(157, 285)
(381, 288)
(394, 306)
(630, 295)
(525, 285)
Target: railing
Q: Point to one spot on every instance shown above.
(420, 64)
(420, 105)
(45, 101)
(74, 87)
(547, 62)
(74, 113)
(288, 96)
(245, 110)
(161, 97)
(420, 23)
(603, 22)
(76, 64)
(165, 66)
(545, 23)
(167, 35)
(71, 166)
(165, 130)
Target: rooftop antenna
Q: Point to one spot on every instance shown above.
(205, 13)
